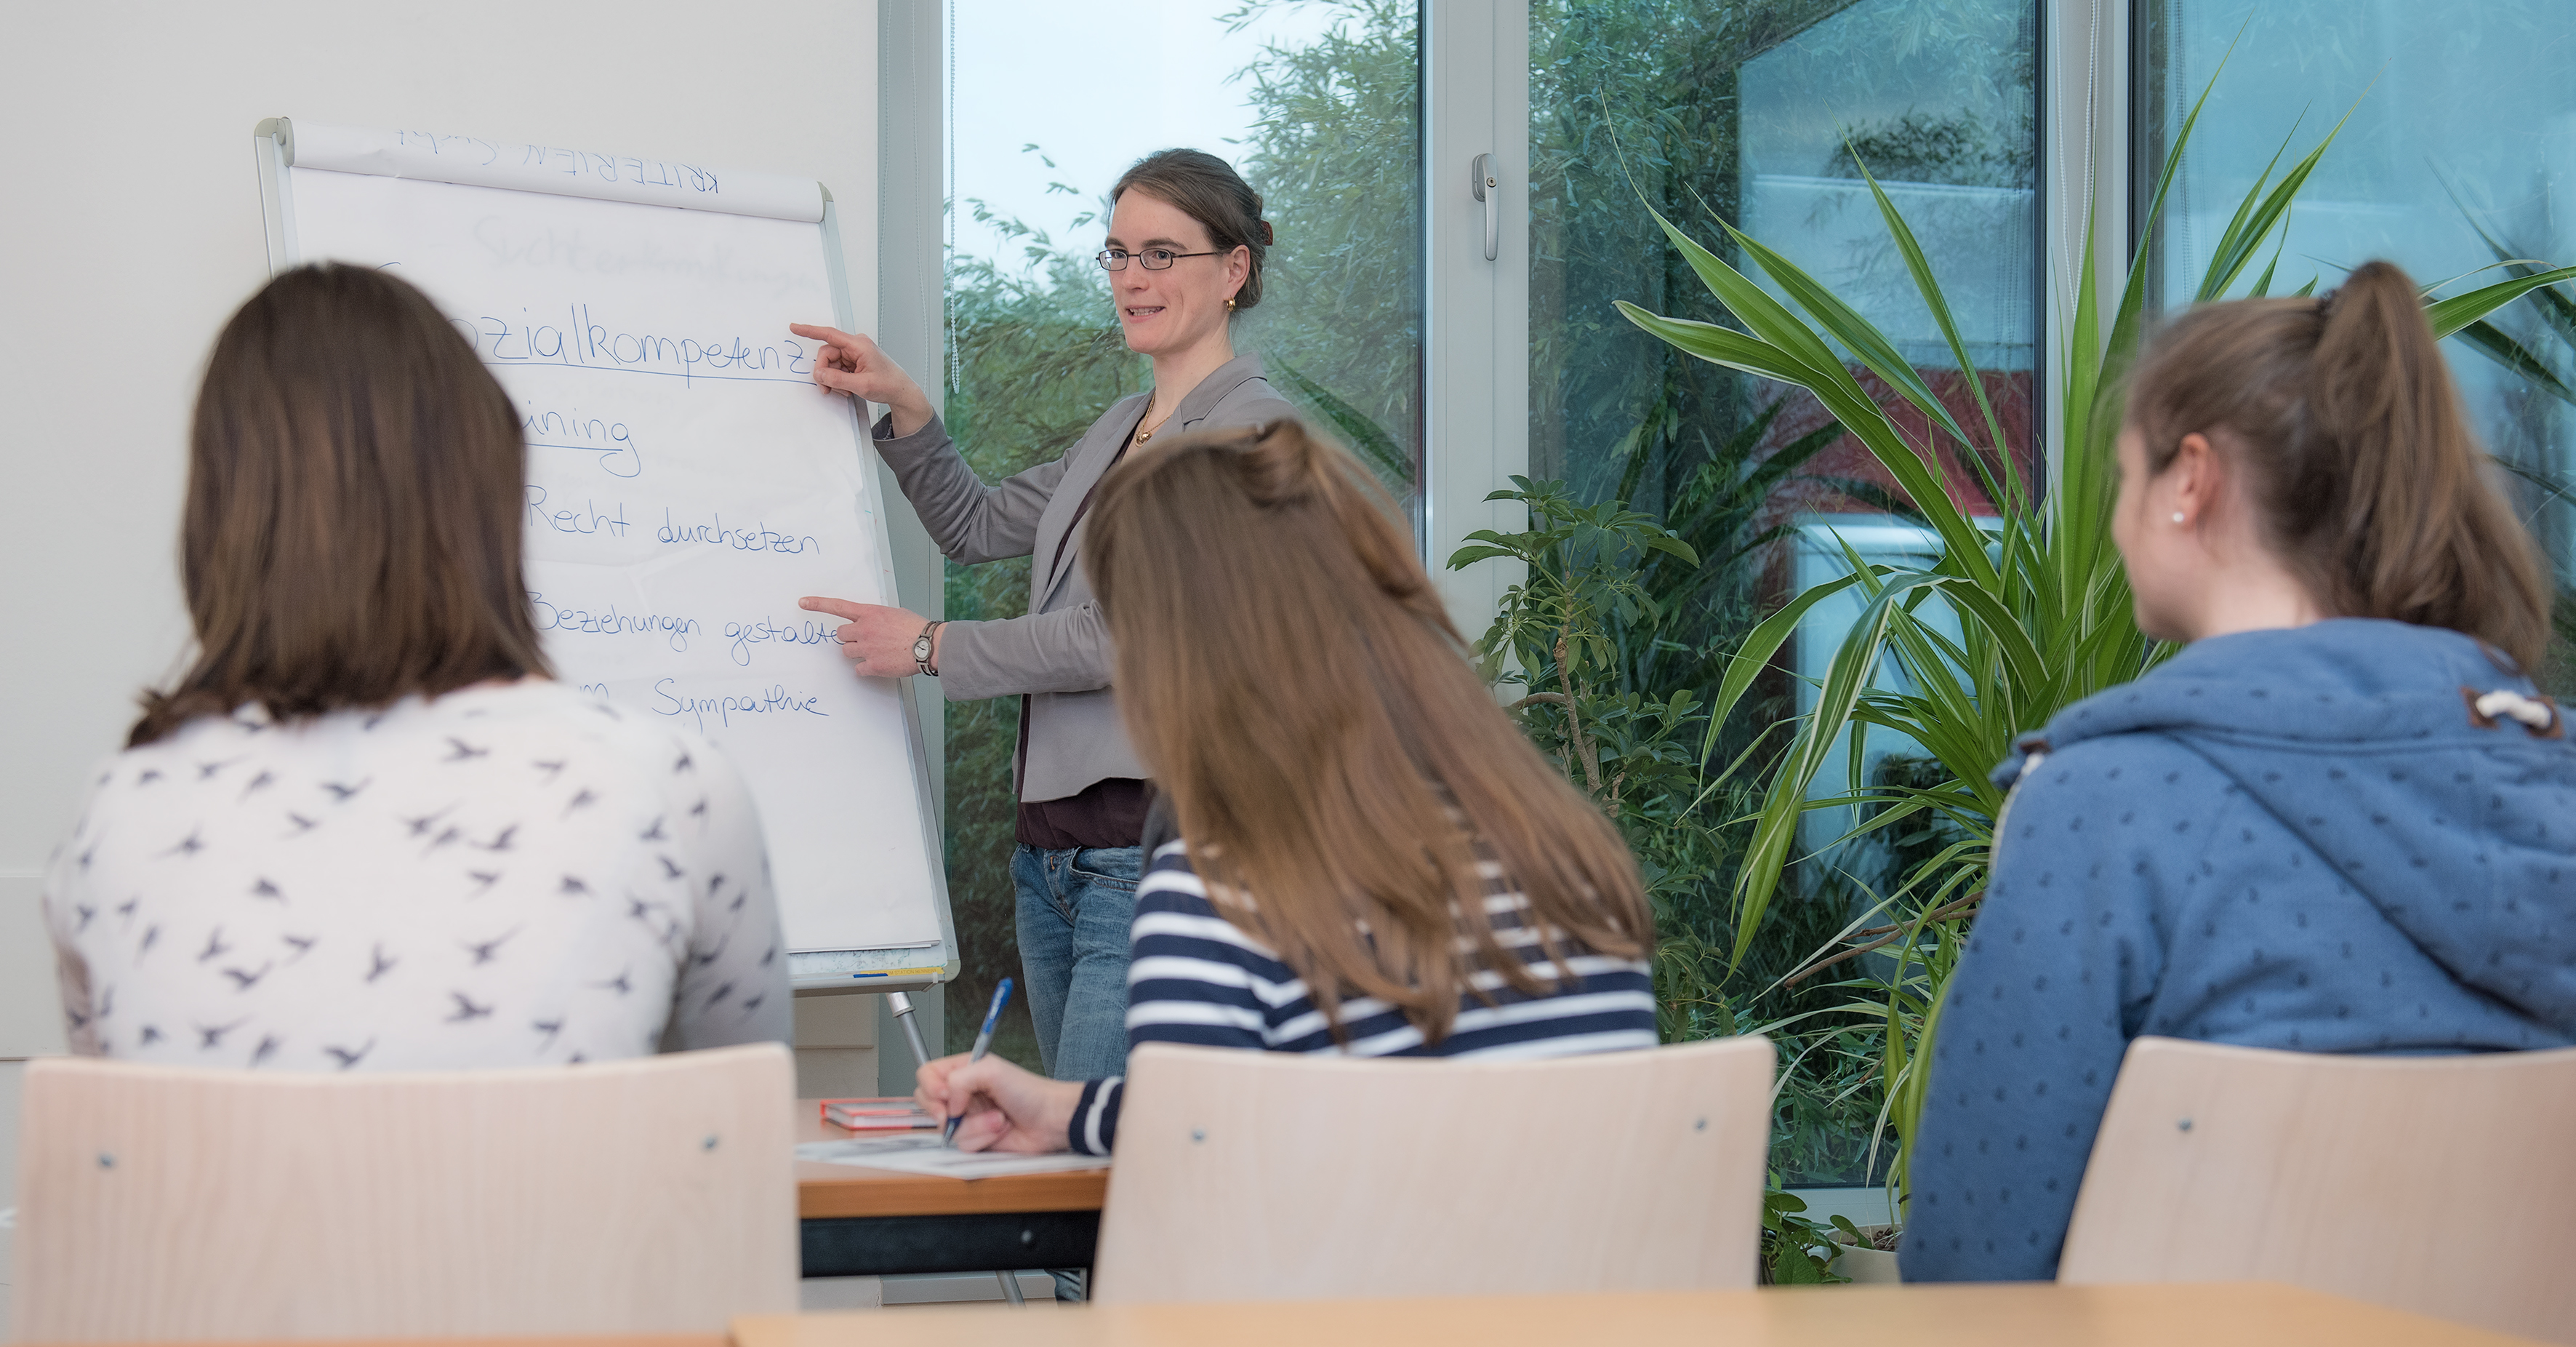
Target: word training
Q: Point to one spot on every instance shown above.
(776, 701)
(583, 342)
(757, 538)
(547, 428)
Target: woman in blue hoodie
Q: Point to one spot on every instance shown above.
(2342, 820)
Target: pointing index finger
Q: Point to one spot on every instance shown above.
(840, 608)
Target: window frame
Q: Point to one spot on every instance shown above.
(2086, 117)
(1475, 101)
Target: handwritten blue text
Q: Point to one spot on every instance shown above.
(777, 700)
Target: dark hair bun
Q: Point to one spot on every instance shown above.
(1208, 190)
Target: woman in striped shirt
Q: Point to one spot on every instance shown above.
(1373, 860)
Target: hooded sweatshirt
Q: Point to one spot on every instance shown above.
(2305, 839)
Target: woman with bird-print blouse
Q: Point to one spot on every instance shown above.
(365, 830)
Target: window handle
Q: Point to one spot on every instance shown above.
(1489, 189)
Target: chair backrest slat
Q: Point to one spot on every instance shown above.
(162, 1203)
(2443, 1185)
(1263, 1176)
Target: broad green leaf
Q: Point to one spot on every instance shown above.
(2490, 341)
(1675, 546)
(2450, 315)
(2555, 307)
(2233, 238)
(1391, 461)
(2263, 283)
(2236, 249)
(1758, 647)
(1468, 556)
(1857, 334)
(1762, 316)
(2003, 627)
(1921, 269)
(1842, 397)
(1848, 673)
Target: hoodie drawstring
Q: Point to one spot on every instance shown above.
(2535, 713)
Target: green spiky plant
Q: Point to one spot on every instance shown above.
(2038, 594)
(2539, 363)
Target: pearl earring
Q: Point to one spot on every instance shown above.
(2181, 518)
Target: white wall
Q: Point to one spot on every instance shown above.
(130, 228)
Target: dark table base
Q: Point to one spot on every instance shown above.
(875, 1246)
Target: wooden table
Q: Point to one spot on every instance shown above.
(870, 1222)
(2236, 1314)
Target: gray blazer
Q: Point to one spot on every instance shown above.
(1060, 652)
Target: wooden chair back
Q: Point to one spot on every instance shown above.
(1268, 1176)
(2442, 1185)
(166, 1203)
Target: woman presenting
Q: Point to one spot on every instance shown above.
(1186, 240)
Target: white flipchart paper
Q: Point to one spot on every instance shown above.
(687, 483)
(558, 169)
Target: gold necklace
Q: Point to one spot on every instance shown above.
(1147, 433)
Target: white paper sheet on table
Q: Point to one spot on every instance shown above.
(927, 1155)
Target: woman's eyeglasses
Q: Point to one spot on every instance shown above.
(1154, 259)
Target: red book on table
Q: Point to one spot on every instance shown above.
(898, 1114)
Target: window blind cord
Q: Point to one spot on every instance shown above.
(948, 206)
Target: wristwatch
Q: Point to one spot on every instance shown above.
(923, 646)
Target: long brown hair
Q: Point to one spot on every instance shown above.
(351, 532)
(2369, 483)
(1290, 678)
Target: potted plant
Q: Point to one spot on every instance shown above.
(1865, 1254)
(2038, 593)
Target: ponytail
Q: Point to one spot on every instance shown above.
(2365, 476)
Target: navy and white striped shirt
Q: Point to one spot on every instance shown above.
(1195, 977)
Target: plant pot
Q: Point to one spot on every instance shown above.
(1867, 1266)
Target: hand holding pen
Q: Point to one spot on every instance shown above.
(983, 1044)
(992, 1104)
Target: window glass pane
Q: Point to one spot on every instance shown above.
(1743, 109)
(1318, 106)
(2463, 122)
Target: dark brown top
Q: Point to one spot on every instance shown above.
(1107, 813)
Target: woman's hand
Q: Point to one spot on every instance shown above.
(1006, 1107)
(875, 639)
(851, 363)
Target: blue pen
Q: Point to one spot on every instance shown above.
(983, 1041)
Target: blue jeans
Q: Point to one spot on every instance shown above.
(1074, 908)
